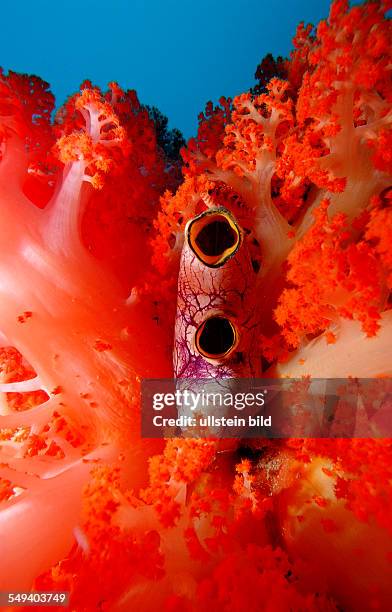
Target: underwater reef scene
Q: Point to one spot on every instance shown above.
(93, 206)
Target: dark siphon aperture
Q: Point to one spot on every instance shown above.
(216, 237)
(216, 337)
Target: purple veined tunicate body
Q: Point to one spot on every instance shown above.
(216, 339)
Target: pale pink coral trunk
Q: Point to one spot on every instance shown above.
(74, 309)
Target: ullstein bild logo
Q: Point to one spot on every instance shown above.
(271, 408)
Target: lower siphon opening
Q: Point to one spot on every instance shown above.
(216, 337)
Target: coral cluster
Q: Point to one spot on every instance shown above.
(91, 228)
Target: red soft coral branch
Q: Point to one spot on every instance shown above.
(72, 325)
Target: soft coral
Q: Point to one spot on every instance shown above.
(57, 307)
